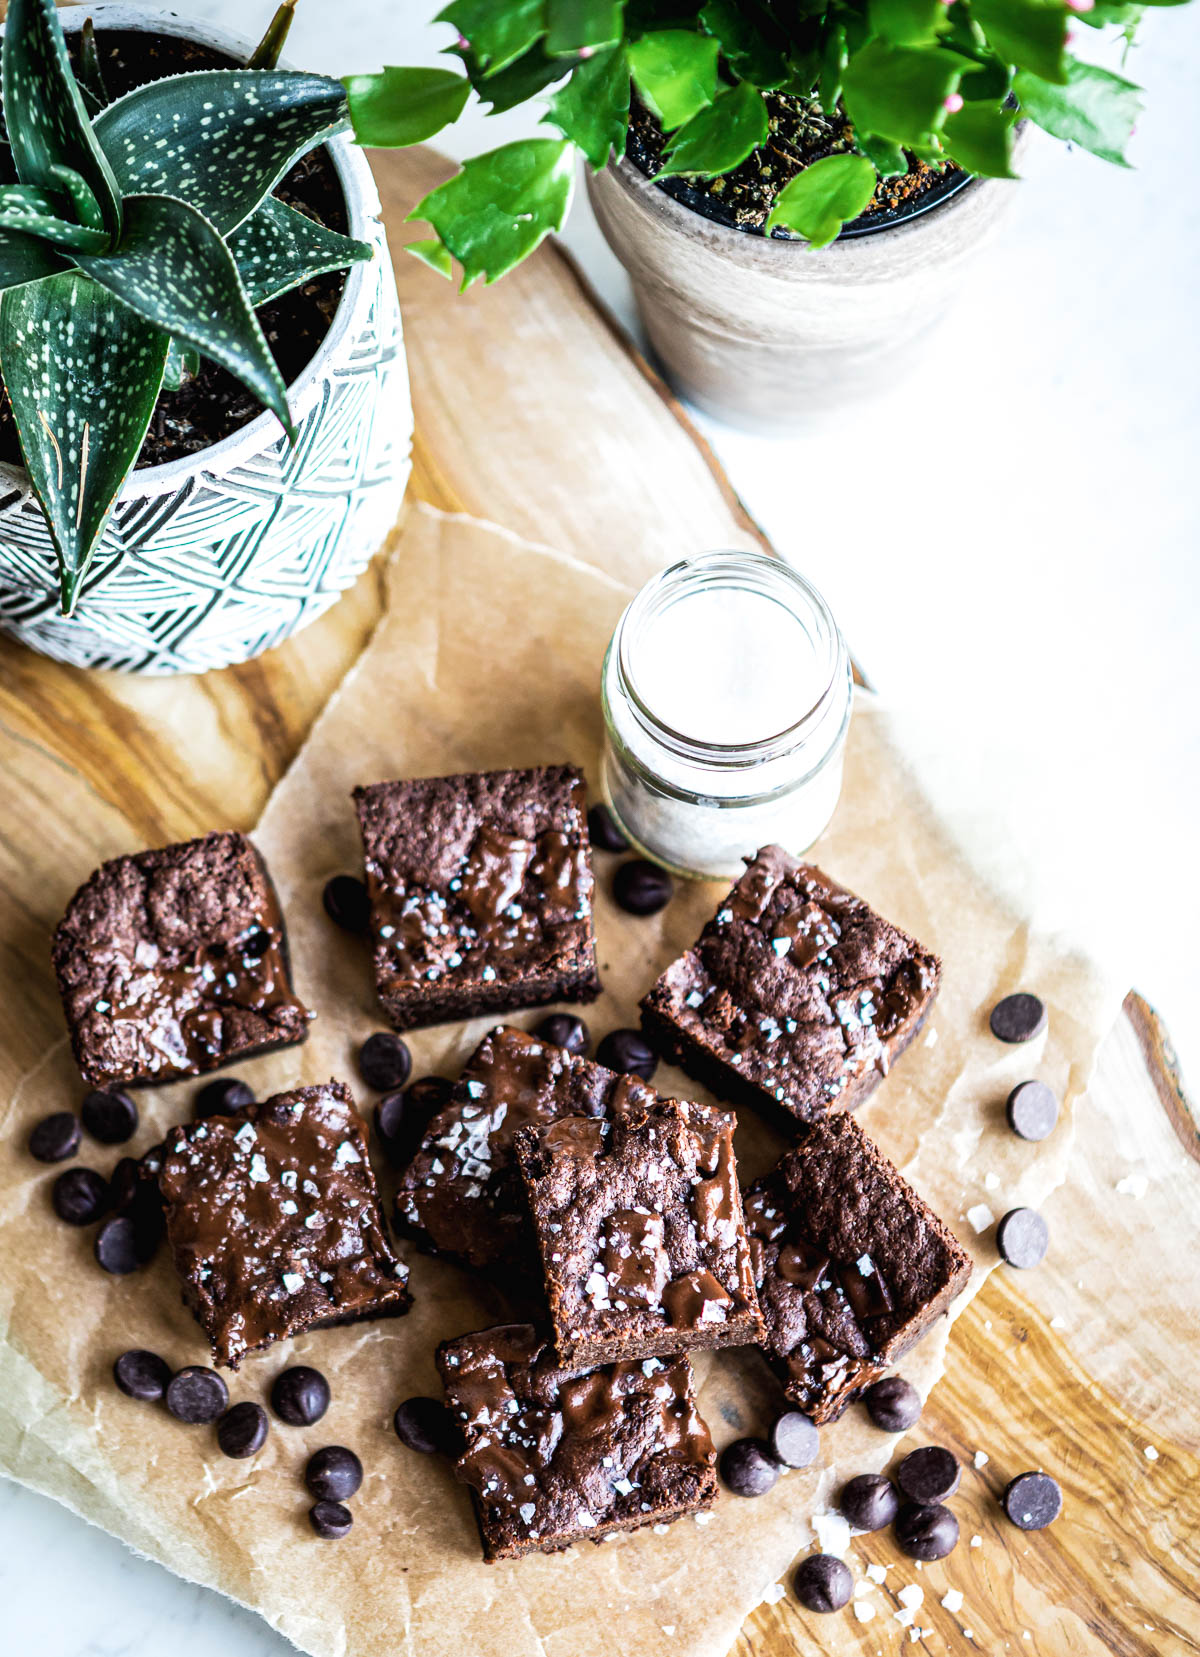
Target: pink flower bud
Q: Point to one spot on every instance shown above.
(590, 51)
(1080, 5)
(954, 102)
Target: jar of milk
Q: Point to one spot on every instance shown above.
(726, 692)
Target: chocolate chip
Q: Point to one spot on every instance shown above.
(1018, 1017)
(929, 1474)
(55, 1138)
(749, 1468)
(300, 1395)
(426, 1425)
(893, 1404)
(115, 1247)
(1032, 1110)
(123, 1183)
(629, 1053)
(346, 903)
(1023, 1238)
(224, 1097)
(869, 1501)
(566, 1031)
(142, 1375)
(429, 1094)
(333, 1474)
(794, 1440)
(642, 888)
(823, 1583)
(926, 1532)
(330, 1520)
(384, 1062)
(112, 1118)
(80, 1196)
(603, 831)
(1032, 1501)
(196, 1395)
(242, 1430)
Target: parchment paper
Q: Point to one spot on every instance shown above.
(489, 655)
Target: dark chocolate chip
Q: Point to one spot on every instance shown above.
(893, 1404)
(196, 1395)
(115, 1247)
(300, 1395)
(333, 1474)
(242, 1430)
(794, 1440)
(642, 888)
(110, 1117)
(603, 831)
(1018, 1017)
(429, 1094)
(384, 1061)
(926, 1532)
(823, 1583)
(1023, 1238)
(346, 903)
(80, 1196)
(123, 1183)
(869, 1501)
(929, 1474)
(566, 1031)
(426, 1425)
(629, 1053)
(224, 1097)
(1033, 1500)
(142, 1375)
(402, 1117)
(330, 1520)
(748, 1467)
(55, 1138)
(1032, 1110)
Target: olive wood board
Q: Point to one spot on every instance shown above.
(534, 414)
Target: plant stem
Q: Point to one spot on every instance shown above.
(267, 52)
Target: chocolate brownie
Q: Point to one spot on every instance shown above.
(274, 1221)
(552, 1459)
(460, 1196)
(480, 889)
(174, 962)
(851, 1266)
(638, 1226)
(797, 997)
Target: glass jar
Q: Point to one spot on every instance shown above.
(726, 694)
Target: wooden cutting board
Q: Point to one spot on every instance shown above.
(534, 413)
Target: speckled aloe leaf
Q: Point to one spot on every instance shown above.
(182, 364)
(44, 112)
(277, 248)
(26, 208)
(220, 139)
(500, 206)
(25, 259)
(173, 269)
(82, 372)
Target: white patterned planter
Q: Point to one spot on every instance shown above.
(212, 559)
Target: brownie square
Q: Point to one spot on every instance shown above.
(274, 1222)
(552, 1459)
(460, 1196)
(638, 1227)
(851, 1265)
(797, 998)
(481, 893)
(174, 962)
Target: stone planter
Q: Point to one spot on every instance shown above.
(214, 558)
(768, 334)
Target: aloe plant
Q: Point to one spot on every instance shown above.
(137, 236)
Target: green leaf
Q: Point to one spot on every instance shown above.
(721, 136)
(91, 75)
(172, 267)
(592, 109)
(979, 138)
(87, 208)
(832, 66)
(675, 71)
(24, 207)
(900, 92)
(183, 364)
(398, 107)
(888, 159)
(1029, 33)
(907, 22)
(270, 48)
(220, 139)
(498, 31)
(583, 25)
(434, 255)
(1095, 109)
(44, 112)
(25, 259)
(752, 43)
(1114, 12)
(824, 197)
(494, 212)
(521, 81)
(277, 248)
(82, 372)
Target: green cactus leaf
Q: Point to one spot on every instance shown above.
(91, 75)
(25, 259)
(183, 364)
(24, 207)
(277, 248)
(172, 268)
(220, 139)
(82, 372)
(497, 209)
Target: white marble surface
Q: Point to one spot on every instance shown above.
(1012, 543)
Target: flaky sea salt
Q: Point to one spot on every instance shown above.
(863, 1610)
(952, 1599)
(832, 1532)
(1133, 1185)
(981, 1217)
